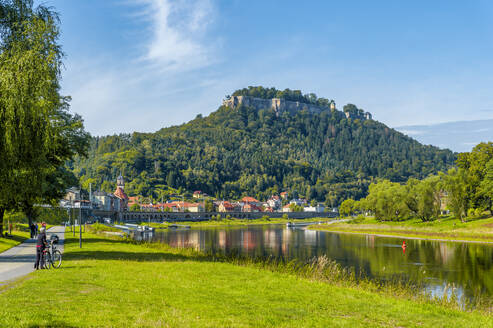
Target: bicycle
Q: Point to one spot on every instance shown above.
(52, 257)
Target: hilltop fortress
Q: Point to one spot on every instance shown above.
(280, 105)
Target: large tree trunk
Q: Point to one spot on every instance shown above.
(2, 211)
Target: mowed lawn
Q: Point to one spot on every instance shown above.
(110, 283)
(14, 240)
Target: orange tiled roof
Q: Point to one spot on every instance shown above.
(120, 193)
(249, 200)
(228, 205)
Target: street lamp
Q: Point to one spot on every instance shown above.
(80, 218)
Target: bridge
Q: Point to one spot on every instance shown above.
(142, 216)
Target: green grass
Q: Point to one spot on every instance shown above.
(114, 283)
(9, 242)
(98, 227)
(447, 228)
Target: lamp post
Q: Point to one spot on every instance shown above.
(72, 216)
(80, 218)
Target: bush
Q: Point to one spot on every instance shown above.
(360, 218)
(285, 216)
(265, 218)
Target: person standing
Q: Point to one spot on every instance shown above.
(36, 228)
(40, 247)
(31, 227)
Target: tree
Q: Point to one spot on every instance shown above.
(387, 201)
(423, 198)
(487, 184)
(455, 183)
(347, 207)
(38, 133)
(135, 208)
(474, 163)
(209, 206)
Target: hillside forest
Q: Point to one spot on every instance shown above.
(242, 151)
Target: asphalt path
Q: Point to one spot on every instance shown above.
(18, 261)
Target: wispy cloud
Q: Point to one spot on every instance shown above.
(171, 54)
(176, 41)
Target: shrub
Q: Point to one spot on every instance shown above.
(360, 218)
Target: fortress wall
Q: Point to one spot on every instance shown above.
(279, 105)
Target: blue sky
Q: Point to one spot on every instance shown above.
(140, 65)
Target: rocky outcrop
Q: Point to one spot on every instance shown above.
(279, 106)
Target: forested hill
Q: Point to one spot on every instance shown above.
(240, 151)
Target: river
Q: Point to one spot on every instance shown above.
(466, 266)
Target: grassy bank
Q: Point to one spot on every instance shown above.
(14, 240)
(233, 222)
(117, 283)
(447, 228)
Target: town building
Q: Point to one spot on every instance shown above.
(274, 202)
(72, 194)
(225, 206)
(120, 194)
(251, 200)
(251, 207)
(319, 208)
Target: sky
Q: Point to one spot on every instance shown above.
(141, 65)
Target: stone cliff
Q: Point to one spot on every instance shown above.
(279, 106)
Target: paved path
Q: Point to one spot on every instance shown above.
(19, 260)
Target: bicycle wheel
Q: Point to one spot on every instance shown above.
(56, 259)
(47, 260)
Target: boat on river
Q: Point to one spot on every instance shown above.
(300, 224)
(176, 226)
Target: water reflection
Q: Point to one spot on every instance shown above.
(467, 266)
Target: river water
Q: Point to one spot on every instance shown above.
(466, 266)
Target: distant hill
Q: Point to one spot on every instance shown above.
(459, 136)
(323, 154)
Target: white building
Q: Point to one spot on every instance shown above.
(318, 208)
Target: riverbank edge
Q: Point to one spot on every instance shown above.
(396, 234)
(236, 222)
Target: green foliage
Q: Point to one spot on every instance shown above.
(295, 208)
(386, 200)
(359, 219)
(467, 191)
(136, 208)
(209, 206)
(285, 216)
(237, 152)
(37, 132)
(487, 184)
(475, 164)
(287, 94)
(347, 207)
(456, 182)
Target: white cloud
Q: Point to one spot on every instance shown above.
(178, 29)
(144, 92)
